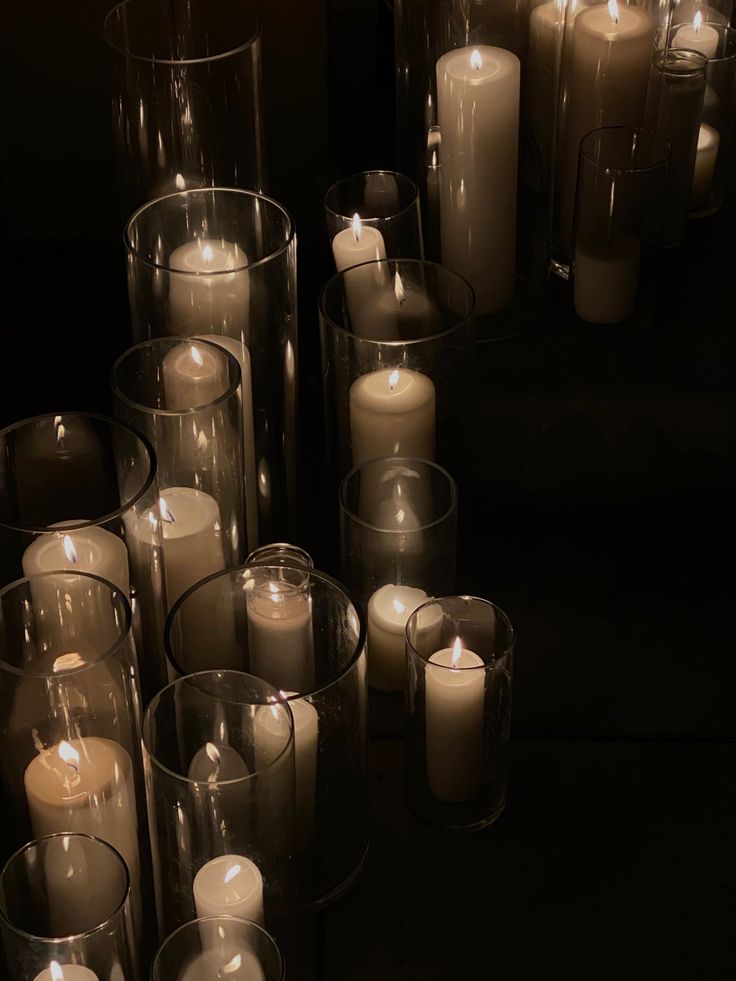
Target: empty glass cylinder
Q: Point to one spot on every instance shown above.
(219, 947)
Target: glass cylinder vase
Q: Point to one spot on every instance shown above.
(74, 491)
(218, 750)
(220, 265)
(71, 717)
(623, 191)
(460, 653)
(65, 912)
(187, 105)
(242, 950)
(300, 631)
(185, 396)
(398, 537)
(396, 335)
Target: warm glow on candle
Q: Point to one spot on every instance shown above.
(697, 21)
(399, 606)
(69, 549)
(476, 61)
(457, 650)
(166, 513)
(357, 226)
(231, 873)
(207, 254)
(613, 10)
(393, 378)
(399, 289)
(56, 972)
(197, 357)
(69, 755)
(233, 965)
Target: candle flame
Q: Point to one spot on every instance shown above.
(197, 357)
(56, 972)
(457, 650)
(166, 513)
(393, 378)
(68, 662)
(697, 21)
(207, 253)
(60, 433)
(399, 289)
(69, 755)
(357, 226)
(69, 550)
(613, 10)
(231, 873)
(213, 752)
(179, 182)
(399, 606)
(476, 60)
(233, 965)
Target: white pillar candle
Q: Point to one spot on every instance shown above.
(78, 885)
(230, 962)
(86, 785)
(269, 737)
(90, 549)
(351, 247)
(705, 165)
(280, 641)
(606, 278)
(392, 413)
(697, 37)
(66, 972)
(209, 288)
(612, 48)
(241, 353)
(546, 24)
(217, 763)
(478, 114)
(193, 376)
(389, 608)
(192, 534)
(455, 695)
(230, 885)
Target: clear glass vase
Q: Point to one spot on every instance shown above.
(219, 947)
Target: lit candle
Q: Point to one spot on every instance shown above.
(209, 289)
(546, 24)
(90, 549)
(280, 641)
(357, 244)
(269, 728)
(607, 84)
(351, 247)
(455, 679)
(705, 166)
(697, 37)
(478, 114)
(66, 972)
(86, 785)
(227, 961)
(216, 763)
(389, 608)
(392, 413)
(230, 885)
(606, 278)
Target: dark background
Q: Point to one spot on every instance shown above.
(596, 509)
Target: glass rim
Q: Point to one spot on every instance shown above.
(307, 575)
(366, 173)
(253, 557)
(666, 147)
(153, 342)
(190, 925)
(409, 342)
(125, 629)
(148, 59)
(437, 601)
(249, 267)
(452, 483)
(278, 699)
(699, 62)
(84, 934)
(104, 518)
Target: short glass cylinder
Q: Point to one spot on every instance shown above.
(71, 711)
(280, 553)
(65, 912)
(75, 489)
(395, 336)
(220, 265)
(218, 749)
(219, 947)
(187, 106)
(382, 200)
(300, 631)
(460, 653)
(185, 396)
(674, 111)
(622, 197)
(398, 537)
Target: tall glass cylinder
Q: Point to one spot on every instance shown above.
(219, 757)
(187, 106)
(185, 396)
(396, 336)
(300, 631)
(71, 717)
(244, 951)
(398, 536)
(65, 912)
(460, 659)
(75, 490)
(623, 192)
(220, 265)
